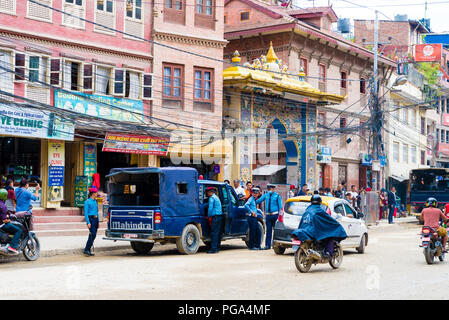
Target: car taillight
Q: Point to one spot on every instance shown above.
(108, 215)
(329, 211)
(281, 216)
(157, 217)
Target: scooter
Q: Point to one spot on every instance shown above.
(29, 243)
(310, 252)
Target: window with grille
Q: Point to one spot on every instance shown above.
(134, 9)
(405, 153)
(244, 16)
(72, 75)
(38, 69)
(344, 78)
(8, 6)
(204, 7)
(6, 78)
(172, 81)
(104, 15)
(75, 10)
(396, 151)
(362, 86)
(413, 151)
(203, 86)
(36, 11)
(322, 76)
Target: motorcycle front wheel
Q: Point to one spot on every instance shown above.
(428, 255)
(301, 262)
(32, 248)
(337, 258)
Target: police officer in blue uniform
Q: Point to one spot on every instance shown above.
(254, 231)
(273, 205)
(215, 212)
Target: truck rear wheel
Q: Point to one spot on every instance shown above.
(189, 242)
(141, 247)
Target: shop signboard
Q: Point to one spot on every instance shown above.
(324, 155)
(90, 161)
(137, 144)
(27, 122)
(105, 107)
(428, 52)
(367, 160)
(80, 190)
(56, 159)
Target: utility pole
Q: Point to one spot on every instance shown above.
(376, 115)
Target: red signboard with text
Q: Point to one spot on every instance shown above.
(428, 52)
(130, 143)
(443, 148)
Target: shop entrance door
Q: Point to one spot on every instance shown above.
(108, 160)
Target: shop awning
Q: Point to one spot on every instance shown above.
(398, 178)
(216, 148)
(267, 170)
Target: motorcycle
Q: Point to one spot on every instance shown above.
(310, 252)
(432, 244)
(29, 243)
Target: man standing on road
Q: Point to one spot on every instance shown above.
(254, 232)
(304, 190)
(214, 212)
(273, 205)
(24, 196)
(91, 217)
(238, 188)
(391, 204)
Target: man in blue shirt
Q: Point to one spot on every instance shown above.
(273, 205)
(214, 212)
(91, 216)
(254, 232)
(24, 196)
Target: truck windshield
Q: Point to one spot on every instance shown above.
(139, 189)
(429, 180)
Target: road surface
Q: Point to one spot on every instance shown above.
(393, 267)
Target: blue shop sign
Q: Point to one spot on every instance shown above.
(367, 159)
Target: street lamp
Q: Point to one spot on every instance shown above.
(399, 81)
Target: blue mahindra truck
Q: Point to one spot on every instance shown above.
(169, 205)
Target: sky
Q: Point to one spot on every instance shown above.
(437, 10)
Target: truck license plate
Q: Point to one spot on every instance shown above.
(127, 236)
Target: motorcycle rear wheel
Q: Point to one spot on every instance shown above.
(301, 262)
(32, 248)
(337, 258)
(428, 255)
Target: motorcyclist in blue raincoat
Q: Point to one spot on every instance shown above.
(316, 225)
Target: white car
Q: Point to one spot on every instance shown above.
(340, 209)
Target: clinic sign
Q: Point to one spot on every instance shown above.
(105, 107)
(27, 122)
(428, 52)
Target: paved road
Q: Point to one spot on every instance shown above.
(393, 267)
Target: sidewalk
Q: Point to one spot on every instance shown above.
(384, 222)
(72, 245)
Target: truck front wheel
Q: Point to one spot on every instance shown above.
(141, 247)
(189, 242)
